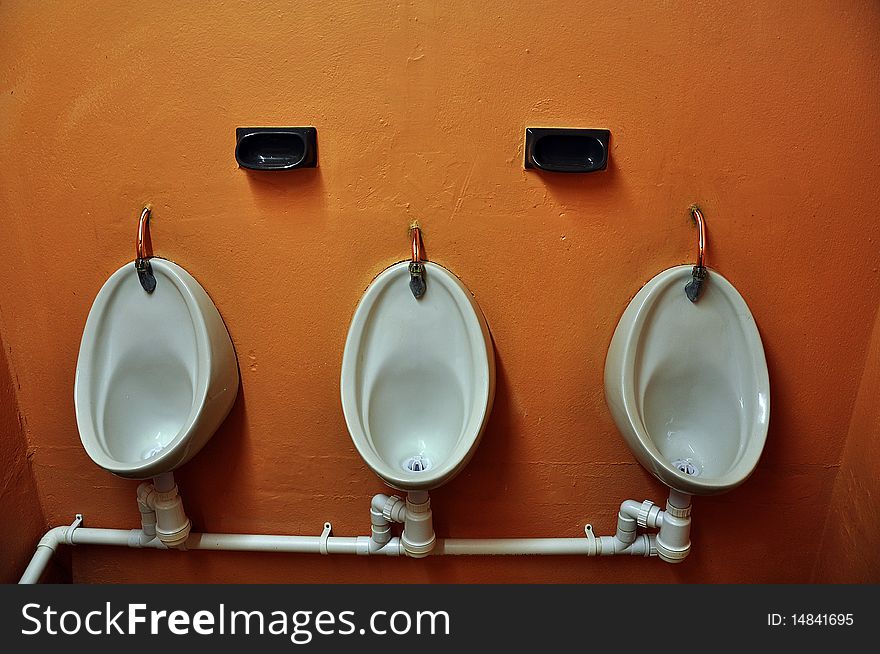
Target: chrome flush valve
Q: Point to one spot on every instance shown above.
(417, 279)
(694, 287)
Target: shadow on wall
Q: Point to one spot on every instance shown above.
(494, 449)
(287, 190)
(220, 471)
(576, 189)
(18, 492)
(850, 546)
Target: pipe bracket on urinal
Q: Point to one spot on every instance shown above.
(142, 259)
(416, 269)
(700, 273)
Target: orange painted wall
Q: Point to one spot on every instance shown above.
(19, 501)
(764, 114)
(850, 551)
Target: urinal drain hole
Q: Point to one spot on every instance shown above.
(687, 466)
(417, 463)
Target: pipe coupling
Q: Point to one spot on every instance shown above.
(678, 512)
(394, 509)
(418, 537)
(649, 515)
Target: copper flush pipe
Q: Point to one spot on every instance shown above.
(140, 246)
(142, 259)
(698, 217)
(416, 245)
(699, 274)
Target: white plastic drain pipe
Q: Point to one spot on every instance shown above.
(672, 543)
(643, 546)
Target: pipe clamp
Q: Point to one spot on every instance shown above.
(325, 535)
(77, 522)
(592, 542)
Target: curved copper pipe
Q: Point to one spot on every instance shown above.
(140, 246)
(698, 216)
(416, 245)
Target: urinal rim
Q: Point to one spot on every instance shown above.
(649, 455)
(363, 444)
(175, 452)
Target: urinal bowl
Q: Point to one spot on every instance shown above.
(418, 378)
(687, 383)
(156, 373)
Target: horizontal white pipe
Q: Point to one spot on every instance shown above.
(362, 545)
(510, 546)
(231, 542)
(257, 543)
(307, 544)
(607, 545)
(335, 544)
(123, 537)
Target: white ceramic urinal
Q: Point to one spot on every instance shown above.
(156, 373)
(418, 378)
(687, 383)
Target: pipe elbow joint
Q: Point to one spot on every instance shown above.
(145, 496)
(646, 514)
(378, 502)
(392, 508)
(55, 537)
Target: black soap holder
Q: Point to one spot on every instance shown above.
(276, 148)
(564, 150)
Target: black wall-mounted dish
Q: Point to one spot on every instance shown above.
(565, 150)
(276, 148)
